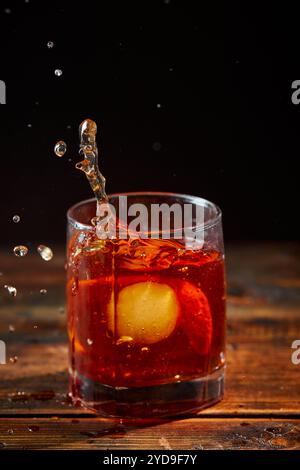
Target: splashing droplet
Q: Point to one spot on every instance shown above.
(58, 72)
(74, 287)
(60, 148)
(50, 44)
(89, 341)
(20, 251)
(45, 252)
(43, 291)
(11, 290)
(16, 219)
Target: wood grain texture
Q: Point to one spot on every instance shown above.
(262, 386)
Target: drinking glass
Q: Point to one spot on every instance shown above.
(146, 314)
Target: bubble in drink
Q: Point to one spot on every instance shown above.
(43, 291)
(20, 251)
(45, 252)
(58, 72)
(60, 148)
(16, 219)
(50, 44)
(89, 341)
(11, 290)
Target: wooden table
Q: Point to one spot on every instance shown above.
(261, 408)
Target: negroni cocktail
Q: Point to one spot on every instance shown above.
(146, 313)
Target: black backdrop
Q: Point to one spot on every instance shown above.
(225, 127)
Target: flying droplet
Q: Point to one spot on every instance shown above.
(50, 44)
(45, 252)
(158, 105)
(13, 359)
(29, 125)
(20, 251)
(16, 219)
(60, 148)
(89, 341)
(43, 291)
(58, 72)
(11, 290)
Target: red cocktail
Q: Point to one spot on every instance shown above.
(146, 318)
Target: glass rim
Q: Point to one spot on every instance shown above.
(213, 221)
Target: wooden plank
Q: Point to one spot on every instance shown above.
(189, 434)
(263, 320)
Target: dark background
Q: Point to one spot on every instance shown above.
(226, 129)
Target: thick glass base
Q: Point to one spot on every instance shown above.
(166, 400)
